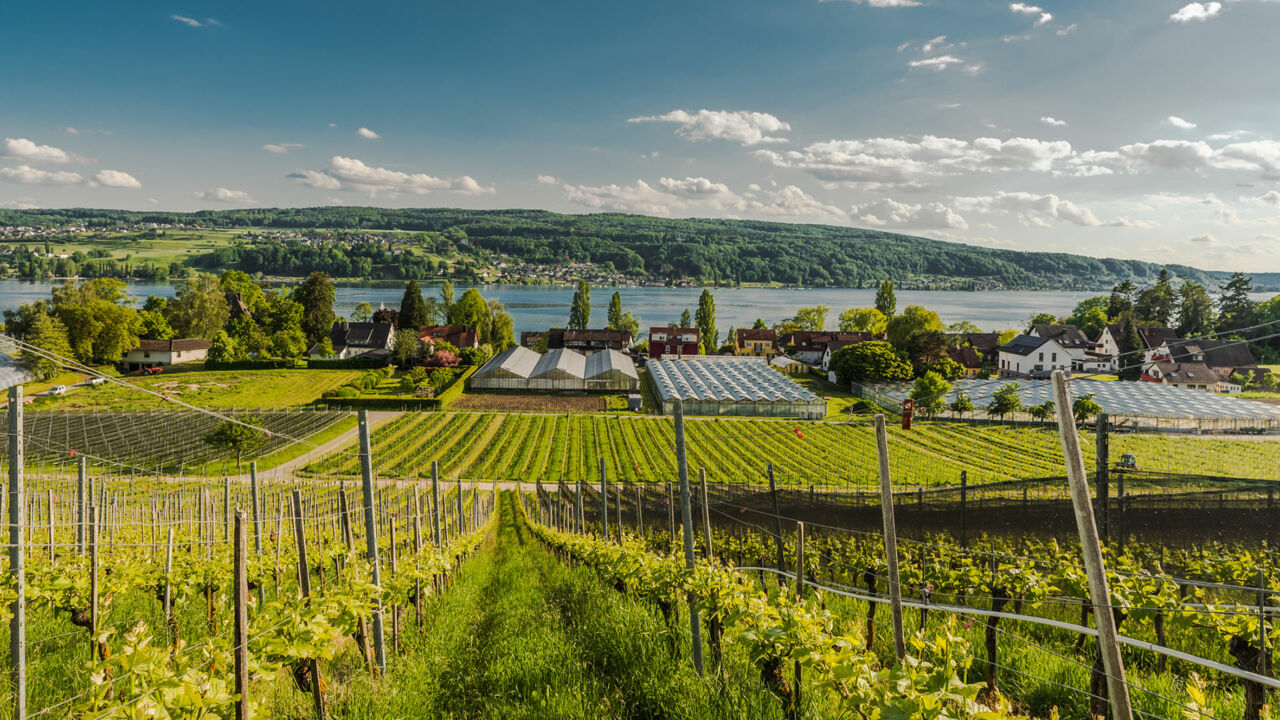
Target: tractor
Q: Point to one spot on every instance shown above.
(1127, 462)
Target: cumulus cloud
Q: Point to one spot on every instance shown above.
(741, 126)
(280, 148)
(346, 173)
(547, 180)
(27, 175)
(1052, 121)
(1206, 239)
(18, 205)
(1067, 30)
(1026, 9)
(25, 149)
(638, 198)
(702, 190)
(886, 3)
(1179, 123)
(368, 134)
(936, 55)
(73, 131)
(1196, 11)
(224, 195)
(116, 178)
(1036, 210)
(937, 64)
(907, 161)
(189, 22)
(890, 213)
(1267, 199)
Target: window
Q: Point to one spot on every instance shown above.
(1041, 357)
(1055, 357)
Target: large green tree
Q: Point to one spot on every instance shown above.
(1236, 310)
(413, 308)
(615, 310)
(315, 295)
(873, 361)
(49, 335)
(866, 319)
(580, 307)
(929, 392)
(1156, 304)
(101, 326)
(705, 319)
(914, 319)
(199, 310)
(1120, 300)
(1090, 316)
(886, 299)
(1195, 310)
(811, 318)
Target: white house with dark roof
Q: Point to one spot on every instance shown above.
(1033, 356)
(358, 339)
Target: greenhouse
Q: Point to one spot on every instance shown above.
(1133, 405)
(560, 370)
(714, 385)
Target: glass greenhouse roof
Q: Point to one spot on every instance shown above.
(728, 379)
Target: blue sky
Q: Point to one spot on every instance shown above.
(1139, 129)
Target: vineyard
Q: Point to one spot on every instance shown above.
(499, 446)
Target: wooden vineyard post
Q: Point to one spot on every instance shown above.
(304, 582)
(462, 525)
(81, 473)
(671, 515)
(226, 509)
(371, 537)
(706, 514)
(777, 521)
(964, 500)
(686, 518)
(241, 626)
(257, 519)
(17, 557)
(1100, 593)
(50, 519)
(1102, 441)
(799, 596)
(170, 620)
(395, 609)
(93, 580)
(639, 511)
(890, 537)
(619, 510)
(417, 556)
(604, 503)
(577, 501)
(435, 501)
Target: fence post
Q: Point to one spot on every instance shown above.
(706, 513)
(964, 517)
(435, 502)
(686, 517)
(226, 509)
(241, 596)
(777, 521)
(93, 581)
(371, 537)
(1108, 645)
(799, 596)
(81, 474)
(169, 620)
(17, 557)
(639, 511)
(604, 503)
(1102, 431)
(671, 515)
(304, 582)
(890, 537)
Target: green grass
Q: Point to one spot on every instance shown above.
(520, 635)
(215, 389)
(285, 454)
(172, 246)
(840, 402)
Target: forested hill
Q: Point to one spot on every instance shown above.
(705, 250)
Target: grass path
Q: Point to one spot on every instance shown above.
(522, 636)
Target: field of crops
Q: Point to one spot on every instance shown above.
(166, 441)
(569, 447)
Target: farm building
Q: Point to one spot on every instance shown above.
(557, 371)
(152, 353)
(721, 385)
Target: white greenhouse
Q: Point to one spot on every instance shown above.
(720, 385)
(561, 370)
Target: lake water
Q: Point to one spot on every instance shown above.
(541, 307)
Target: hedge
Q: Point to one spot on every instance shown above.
(438, 403)
(262, 364)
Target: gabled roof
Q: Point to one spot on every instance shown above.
(675, 331)
(561, 362)
(745, 335)
(818, 340)
(1152, 336)
(1068, 336)
(1180, 373)
(1024, 344)
(1217, 353)
(610, 362)
(459, 336)
(519, 361)
(966, 356)
(602, 335)
(180, 345)
(982, 342)
(361, 334)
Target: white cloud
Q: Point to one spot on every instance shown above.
(280, 148)
(1025, 9)
(1035, 210)
(547, 180)
(1047, 120)
(638, 198)
(1015, 38)
(190, 22)
(115, 178)
(224, 195)
(1067, 30)
(1260, 155)
(906, 161)
(938, 43)
(368, 134)
(937, 64)
(25, 149)
(904, 46)
(1196, 11)
(1231, 135)
(1267, 199)
(702, 190)
(18, 205)
(27, 175)
(351, 174)
(741, 126)
(72, 131)
(1206, 239)
(890, 213)
(1179, 123)
(886, 3)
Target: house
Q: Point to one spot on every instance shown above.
(587, 342)
(755, 343)
(1224, 357)
(673, 341)
(987, 344)
(237, 306)
(374, 340)
(966, 357)
(830, 348)
(1191, 376)
(153, 353)
(459, 336)
(1032, 356)
(1151, 337)
(810, 346)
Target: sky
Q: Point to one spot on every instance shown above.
(1140, 129)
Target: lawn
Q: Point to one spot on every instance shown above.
(840, 402)
(172, 246)
(220, 389)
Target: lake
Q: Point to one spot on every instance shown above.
(542, 307)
